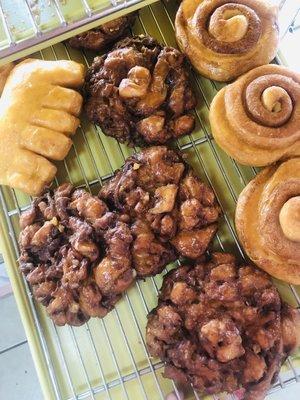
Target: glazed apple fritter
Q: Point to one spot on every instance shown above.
(80, 252)
(139, 92)
(99, 38)
(75, 254)
(171, 211)
(222, 327)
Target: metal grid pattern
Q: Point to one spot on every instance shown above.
(36, 34)
(214, 167)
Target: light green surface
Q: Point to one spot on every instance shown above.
(122, 330)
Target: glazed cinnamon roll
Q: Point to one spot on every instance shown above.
(256, 119)
(225, 39)
(268, 220)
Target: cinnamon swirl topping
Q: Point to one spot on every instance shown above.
(232, 28)
(268, 100)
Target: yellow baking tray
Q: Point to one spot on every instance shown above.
(107, 359)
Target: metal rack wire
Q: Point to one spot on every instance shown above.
(215, 168)
(36, 34)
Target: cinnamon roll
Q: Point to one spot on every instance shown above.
(225, 39)
(256, 119)
(268, 220)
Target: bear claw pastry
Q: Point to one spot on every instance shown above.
(268, 220)
(38, 113)
(4, 72)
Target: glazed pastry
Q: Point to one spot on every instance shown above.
(139, 92)
(79, 253)
(256, 119)
(99, 38)
(222, 327)
(225, 39)
(38, 114)
(75, 254)
(171, 211)
(4, 72)
(268, 220)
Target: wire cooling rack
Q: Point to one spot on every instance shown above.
(108, 359)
